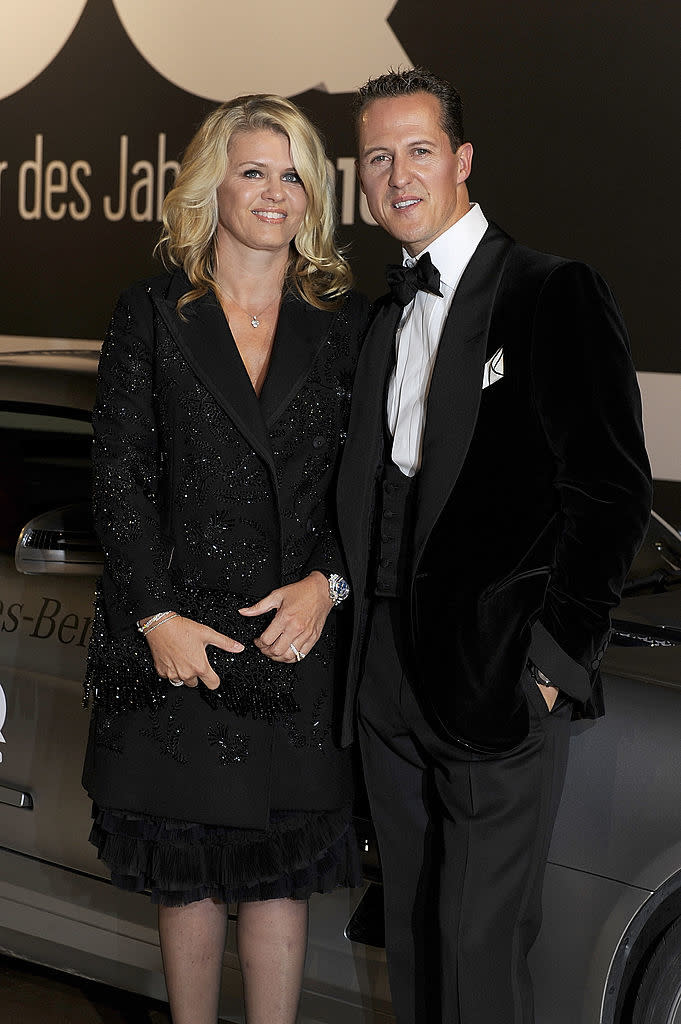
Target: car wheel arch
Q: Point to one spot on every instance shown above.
(636, 947)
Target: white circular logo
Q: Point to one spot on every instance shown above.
(31, 36)
(218, 50)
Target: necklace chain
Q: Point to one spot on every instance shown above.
(255, 317)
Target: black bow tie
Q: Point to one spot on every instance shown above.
(405, 282)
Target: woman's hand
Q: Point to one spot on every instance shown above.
(178, 648)
(301, 613)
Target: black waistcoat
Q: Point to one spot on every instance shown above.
(395, 530)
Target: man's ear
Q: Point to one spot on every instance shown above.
(464, 156)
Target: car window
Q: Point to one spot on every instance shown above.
(45, 458)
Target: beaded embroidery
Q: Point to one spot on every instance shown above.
(108, 733)
(232, 746)
(121, 675)
(319, 730)
(170, 467)
(167, 735)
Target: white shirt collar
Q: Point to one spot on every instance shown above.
(452, 250)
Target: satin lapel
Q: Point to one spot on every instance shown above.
(456, 385)
(365, 435)
(207, 344)
(301, 333)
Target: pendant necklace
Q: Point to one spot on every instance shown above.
(255, 317)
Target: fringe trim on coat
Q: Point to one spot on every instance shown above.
(121, 677)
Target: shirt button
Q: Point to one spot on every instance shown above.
(319, 442)
(386, 563)
(388, 514)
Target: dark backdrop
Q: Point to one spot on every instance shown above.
(572, 109)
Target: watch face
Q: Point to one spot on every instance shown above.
(339, 588)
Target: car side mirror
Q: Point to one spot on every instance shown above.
(61, 541)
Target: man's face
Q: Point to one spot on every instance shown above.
(414, 183)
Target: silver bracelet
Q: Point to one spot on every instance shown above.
(151, 619)
(156, 620)
(148, 629)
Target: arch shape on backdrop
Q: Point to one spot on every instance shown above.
(32, 35)
(218, 50)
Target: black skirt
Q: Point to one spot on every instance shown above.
(180, 862)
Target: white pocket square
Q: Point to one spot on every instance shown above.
(494, 369)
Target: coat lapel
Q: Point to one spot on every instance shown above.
(362, 453)
(207, 344)
(456, 385)
(301, 333)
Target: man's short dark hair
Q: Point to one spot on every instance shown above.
(408, 82)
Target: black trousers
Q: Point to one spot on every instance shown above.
(463, 840)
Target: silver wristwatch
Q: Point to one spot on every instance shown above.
(538, 675)
(339, 588)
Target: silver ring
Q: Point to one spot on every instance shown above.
(176, 682)
(299, 656)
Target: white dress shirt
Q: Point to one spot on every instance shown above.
(418, 336)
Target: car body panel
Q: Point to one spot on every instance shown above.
(63, 377)
(44, 626)
(628, 773)
(585, 917)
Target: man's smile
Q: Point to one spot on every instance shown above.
(403, 204)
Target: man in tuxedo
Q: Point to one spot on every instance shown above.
(493, 493)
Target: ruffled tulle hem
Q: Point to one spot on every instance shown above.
(181, 862)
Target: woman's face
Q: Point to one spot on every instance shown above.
(261, 200)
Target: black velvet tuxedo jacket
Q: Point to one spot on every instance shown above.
(532, 498)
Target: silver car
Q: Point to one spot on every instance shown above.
(610, 947)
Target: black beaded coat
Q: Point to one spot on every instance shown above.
(206, 498)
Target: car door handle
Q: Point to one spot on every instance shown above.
(15, 798)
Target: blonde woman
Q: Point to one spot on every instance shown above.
(222, 408)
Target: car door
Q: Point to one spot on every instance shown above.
(45, 622)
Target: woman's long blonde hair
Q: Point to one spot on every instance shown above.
(316, 268)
